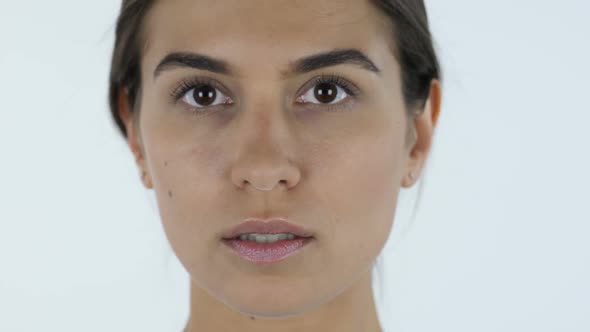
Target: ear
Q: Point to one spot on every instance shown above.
(424, 125)
(133, 136)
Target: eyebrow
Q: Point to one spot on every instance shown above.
(304, 65)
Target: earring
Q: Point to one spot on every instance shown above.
(411, 176)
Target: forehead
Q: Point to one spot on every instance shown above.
(263, 34)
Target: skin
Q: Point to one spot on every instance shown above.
(337, 173)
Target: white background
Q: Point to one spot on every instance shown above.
(500, 241)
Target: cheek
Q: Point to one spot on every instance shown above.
(360, 194)
(186, 191)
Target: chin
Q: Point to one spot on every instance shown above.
(265, 306)
(271, 309)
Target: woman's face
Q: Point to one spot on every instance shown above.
(335, 162)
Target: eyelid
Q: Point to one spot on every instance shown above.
(350, 88)
(192, 82)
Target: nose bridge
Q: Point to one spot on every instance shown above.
(262, 118)
(264, 143)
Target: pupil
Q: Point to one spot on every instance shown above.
(204, 95)
(325, 92)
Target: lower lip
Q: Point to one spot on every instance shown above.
(266, 253)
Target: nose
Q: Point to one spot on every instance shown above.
(265, 153)
(264, 173)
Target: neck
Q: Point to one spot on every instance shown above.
(351, 311)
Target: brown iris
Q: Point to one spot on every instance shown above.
(325, 92)
(204, 95)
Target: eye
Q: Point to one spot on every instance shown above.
(200, 93)
(327, 90)
(203, 96)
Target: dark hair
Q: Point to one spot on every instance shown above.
(411, 44)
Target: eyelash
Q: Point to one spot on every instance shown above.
(188, 84)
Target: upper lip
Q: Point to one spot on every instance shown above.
(268, 226)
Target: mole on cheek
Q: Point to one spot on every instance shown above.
(165, 163)
(252, 318)
(170, 193)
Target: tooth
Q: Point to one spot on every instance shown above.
(266, 238)
(261, 238)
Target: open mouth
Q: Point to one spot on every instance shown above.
(267, 238)
(266, 248)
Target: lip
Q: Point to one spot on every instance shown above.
(269, 226)
(268, 253)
